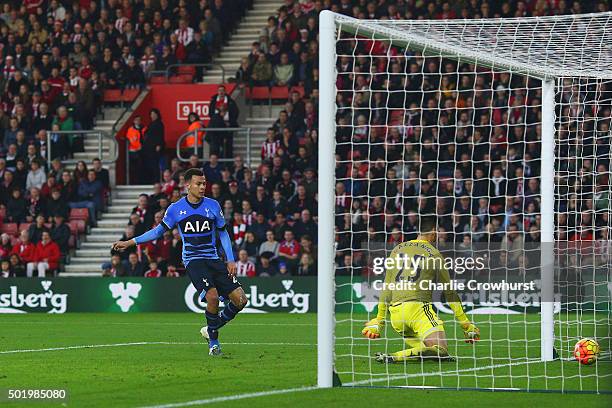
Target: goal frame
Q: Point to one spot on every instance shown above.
(328, 32)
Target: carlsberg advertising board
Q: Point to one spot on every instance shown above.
(284, 295)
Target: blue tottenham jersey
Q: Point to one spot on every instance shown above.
(197, 224)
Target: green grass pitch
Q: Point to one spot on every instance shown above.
(144, 360)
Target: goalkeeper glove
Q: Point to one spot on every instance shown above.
(373, 328)
(471, 332)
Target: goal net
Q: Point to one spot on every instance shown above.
(498, 132)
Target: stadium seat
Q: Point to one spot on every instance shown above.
(158, 79)
(181, 79)
(24, 226)
(279, 92)
(77, 226)
(186, 70)
(258, 93)
(129, 95)
(79, 214)
(10, 228)
(112, 96)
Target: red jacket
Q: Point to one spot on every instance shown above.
(27, 253)
(50, 252)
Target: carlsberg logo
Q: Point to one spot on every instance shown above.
(15, 302)
(259, 302)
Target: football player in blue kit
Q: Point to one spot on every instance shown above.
(200, 220)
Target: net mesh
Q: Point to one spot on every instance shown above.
(443, 121)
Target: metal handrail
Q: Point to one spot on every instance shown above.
(196, 147)
(168, 72)
(113, 148)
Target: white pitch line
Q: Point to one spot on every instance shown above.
(148, 343)
(232, 397)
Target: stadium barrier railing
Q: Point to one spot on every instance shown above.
(201, 148)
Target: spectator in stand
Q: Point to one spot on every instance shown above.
(90, 195)
(56, 205)
(16, 207)
(47, 257)
(153, 271)
(269, 247)
(24, 249)
(102, 174)
(305, 225)
(244, 267)
(288, 252)
(134, 78)
(307, 266)
(172, 272)
(5, 246)
(144, 212)
(139, 227)
(265, 268)
(114, 268)
(134, 267)
(5, 269)
(60, 234)
(238, 229)
(36, 176)
(135, 137)
(261, 74)
(153, 146)
(283, 72)
(17, 266)
(36, 229)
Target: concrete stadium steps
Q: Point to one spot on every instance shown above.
(95, 247)
(259, 120)
(90, 142)
(240, 41)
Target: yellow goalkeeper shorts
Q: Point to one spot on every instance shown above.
(415, 319)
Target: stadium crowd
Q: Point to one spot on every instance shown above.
(474, 163)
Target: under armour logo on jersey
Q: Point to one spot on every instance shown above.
(205, 281)
(182, 212)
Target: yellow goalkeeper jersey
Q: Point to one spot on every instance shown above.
(417, 264)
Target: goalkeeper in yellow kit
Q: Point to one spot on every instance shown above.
(412, 315)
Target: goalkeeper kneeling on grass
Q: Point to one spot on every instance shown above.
(408, 298)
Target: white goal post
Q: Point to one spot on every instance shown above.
(548, 49)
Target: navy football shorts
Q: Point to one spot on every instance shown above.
(211, 273)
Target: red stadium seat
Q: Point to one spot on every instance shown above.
(77, 227)
(258, 93)
(129, 95)
(10, 228)
(158, 79)
(24, 226)
(279, 92)
(79, 214)
(181, 79)
(112, 96)
(186, 69)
